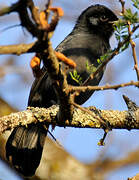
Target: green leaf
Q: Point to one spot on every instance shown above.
(136, 3)
(124, 47)
(98, 61)
(90, 68)
(76, 77)
(136, 36)
(129, 16)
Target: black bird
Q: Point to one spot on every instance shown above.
(88, 41)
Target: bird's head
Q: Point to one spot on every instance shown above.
(97, 19)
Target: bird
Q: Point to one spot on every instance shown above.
(88, 40)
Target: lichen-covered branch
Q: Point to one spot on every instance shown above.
(115, 119)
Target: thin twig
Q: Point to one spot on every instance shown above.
(105, 87)
(34, 12)
(133, 45)
(123, 6)
(101, 120)
(9, 9)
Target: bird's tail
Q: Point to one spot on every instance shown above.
(24, 148)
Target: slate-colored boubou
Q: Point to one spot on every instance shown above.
(88, 41)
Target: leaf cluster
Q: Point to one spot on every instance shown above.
(76, 77)
(130, 16)
(90, 68)
(121, 28)
(136, 3)
(121, 33)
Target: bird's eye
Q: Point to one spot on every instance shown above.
(103, 18)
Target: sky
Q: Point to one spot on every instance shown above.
(119, 70)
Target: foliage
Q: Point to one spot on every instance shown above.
(135, 3)
(76, 77)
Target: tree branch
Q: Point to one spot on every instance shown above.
(17, 49)
(81, 119)
(105, 87)
(133, 45)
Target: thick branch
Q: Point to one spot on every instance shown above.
(16, 49)
(19, 49)
(116, 119)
